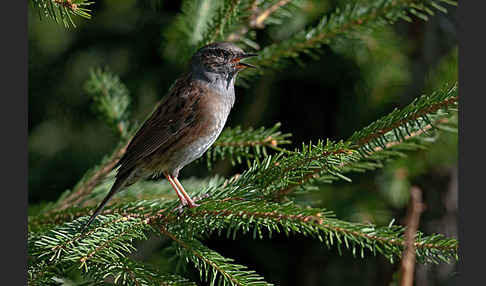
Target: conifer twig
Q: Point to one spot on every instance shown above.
(61, 10)
(315, 172)
(211, 263)
(290, 188)
(416, 208)
(361, 141)
(110, 240)
(256, 19)
(316, 218)
(428, 110)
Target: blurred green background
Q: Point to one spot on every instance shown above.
(350, 85)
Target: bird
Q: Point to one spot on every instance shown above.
(184, 124)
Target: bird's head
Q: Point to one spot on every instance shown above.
(221, 58)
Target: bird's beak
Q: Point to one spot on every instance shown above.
(244, 66)
(241, 65)
(248, 55)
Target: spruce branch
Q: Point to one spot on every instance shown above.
(128, 272)
(212, 267)
(373, 158)
(231, 216)
(142, 191)
(259, 217)
(357, 18)
(108, 241)
(44, 221)
(386, 137)
(61, 11)
(111, 236)
(103, 245)
(120, 272)
(416, 114)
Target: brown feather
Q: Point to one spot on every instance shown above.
(171, 121)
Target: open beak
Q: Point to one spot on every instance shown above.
(248, 55)
(244, 66)
(241, 65)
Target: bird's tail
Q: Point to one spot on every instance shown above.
(120, 182)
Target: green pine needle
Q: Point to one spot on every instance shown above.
(61, 11)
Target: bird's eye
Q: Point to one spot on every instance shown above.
(224, 54)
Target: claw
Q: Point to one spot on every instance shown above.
(191, 203)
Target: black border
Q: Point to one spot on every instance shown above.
(14, 142)
(471, 144)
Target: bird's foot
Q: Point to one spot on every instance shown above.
(190, 203)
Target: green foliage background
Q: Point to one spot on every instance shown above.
(348, 85)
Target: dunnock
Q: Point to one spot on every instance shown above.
(186, 122)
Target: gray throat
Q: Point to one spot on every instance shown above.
(224, 83)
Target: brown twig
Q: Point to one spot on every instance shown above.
(415, 209)
(256, 19)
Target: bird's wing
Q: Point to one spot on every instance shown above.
(167, 123)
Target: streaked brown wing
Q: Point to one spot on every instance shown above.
(166, 124)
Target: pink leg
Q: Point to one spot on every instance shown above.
(190, 202)
(171, 181)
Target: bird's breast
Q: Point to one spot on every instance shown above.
(213, 110)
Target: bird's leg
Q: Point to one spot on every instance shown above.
(171, 181)
(190, 202)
